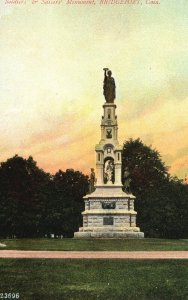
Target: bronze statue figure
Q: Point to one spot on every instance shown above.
(109, 87)
(127, 180)
(92, 181)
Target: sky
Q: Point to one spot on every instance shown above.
(51, 76)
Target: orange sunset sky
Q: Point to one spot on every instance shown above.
(51, 61)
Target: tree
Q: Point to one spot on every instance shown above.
(161, 201)
(64, 209)
(145, 165)
(22, 197)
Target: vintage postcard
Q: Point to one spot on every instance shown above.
(94, 104)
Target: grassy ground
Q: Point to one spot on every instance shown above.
(95, 279)
(96, 244)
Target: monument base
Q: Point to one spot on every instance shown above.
(114, 235)
(109, 213)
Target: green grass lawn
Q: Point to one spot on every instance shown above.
(95, 279)
(96, 244)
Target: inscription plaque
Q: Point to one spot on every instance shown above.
(108, 221)
(109, 205)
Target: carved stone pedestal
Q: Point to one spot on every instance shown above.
(109, 213)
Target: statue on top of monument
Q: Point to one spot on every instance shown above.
(109, 87)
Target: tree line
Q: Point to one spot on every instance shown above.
(34, 203)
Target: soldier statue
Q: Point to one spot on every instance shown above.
(127, 180)
(92, 181)
(109, 168)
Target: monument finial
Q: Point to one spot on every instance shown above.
(109, 87)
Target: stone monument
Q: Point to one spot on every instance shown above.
(109, 211)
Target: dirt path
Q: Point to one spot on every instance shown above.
(95, 254)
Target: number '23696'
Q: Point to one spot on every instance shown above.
(9, 295)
